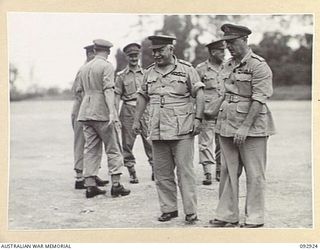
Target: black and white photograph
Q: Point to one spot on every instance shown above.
(160, 121)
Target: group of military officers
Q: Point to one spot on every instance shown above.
(166, 104)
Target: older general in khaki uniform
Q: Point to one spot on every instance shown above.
(99, 117)
(168, 86)
(209, 72)
(78, 143)
(127, 83)
(244, 125)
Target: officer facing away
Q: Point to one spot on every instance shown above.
(78, 143)
(100, 121)
(168, 86)
(244, 124)
(128, 81)
(208, 72)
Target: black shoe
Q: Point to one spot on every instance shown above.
(79, 185)
(218, 175)
(208, 179)
(245, 225)
(119, 191)
(220, 223)
(168, 216)
(100, 182)
(94, 191)
(191, 218)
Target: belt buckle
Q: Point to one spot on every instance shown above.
(234, 98)
(162, 101)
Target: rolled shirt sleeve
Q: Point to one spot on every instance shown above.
(119, 85)
(195, 81)
(261, 83)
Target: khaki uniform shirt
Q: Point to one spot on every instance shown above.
(127, 84)
(209, 75)
(250, 80)
(170, 97)
(94, 78)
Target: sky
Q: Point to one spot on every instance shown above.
(47, 48)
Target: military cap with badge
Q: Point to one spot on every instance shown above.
(132, 48)
(160, 41)
(232, 31)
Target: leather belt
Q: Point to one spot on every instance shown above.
(236, 98)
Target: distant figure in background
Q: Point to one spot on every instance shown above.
(128, 81)
(78, 143)
(244, 125)
(208, 72)
(100, 121)
(168, 86)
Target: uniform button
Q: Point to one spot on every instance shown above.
(162, 86)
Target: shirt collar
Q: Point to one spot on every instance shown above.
(175, 66)
(247, 56)
(212, 67)
(128, 70)
(101, 57)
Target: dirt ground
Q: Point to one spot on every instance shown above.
(41, 180)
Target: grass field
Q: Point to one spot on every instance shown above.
(41, 179)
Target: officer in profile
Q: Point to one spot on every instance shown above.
(100, 121)
(128, 81)
(168, 86)
(244, 125)
(78, 143)
(209, 72)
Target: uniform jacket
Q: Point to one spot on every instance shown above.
(170, 97)
(209, 75)
(249, 80)
(128, 83)
(94, 78)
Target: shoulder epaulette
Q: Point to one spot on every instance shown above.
(261, 59)
(152, 64)
(201, 65)
(119, 73)
(184, 62)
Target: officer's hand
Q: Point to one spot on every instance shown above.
(113, 117)
(136, 127)
(196, 127)
(241, 135)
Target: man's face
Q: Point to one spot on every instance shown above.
(90, 56)
(133, 59)
(236, 46)
(162, 56)
(217, 54)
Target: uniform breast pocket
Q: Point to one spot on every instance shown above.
(210, 80)
(244, 84)
(179, 85)
(130, 87)
(152, 85)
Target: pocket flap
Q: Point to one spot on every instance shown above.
(152, 78)
(243, 107)
(243, 77)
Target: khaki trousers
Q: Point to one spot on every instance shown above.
(78, 145)
(96, 133)
(167, 156)
(129, 137)
(205, 139)
(253, 155)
